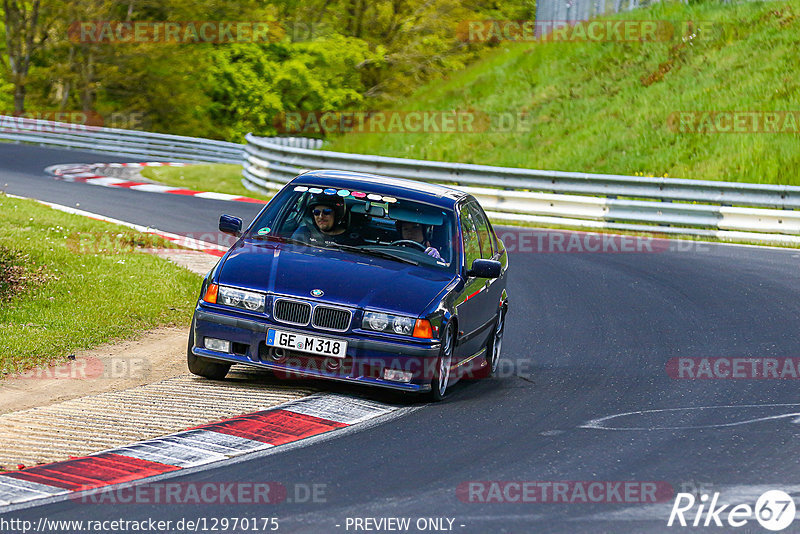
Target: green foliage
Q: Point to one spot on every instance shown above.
(321, 55)
(253, 83)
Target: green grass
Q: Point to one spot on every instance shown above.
(218, 177)
(82, 284)
(593, 109)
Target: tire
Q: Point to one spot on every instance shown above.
(495, 345)
(203, 366)
(442, 374)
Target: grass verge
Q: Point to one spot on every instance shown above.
(609, 107)
(70, 283)
(216, 177)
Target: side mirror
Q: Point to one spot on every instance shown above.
(485, 269)
(230, 225)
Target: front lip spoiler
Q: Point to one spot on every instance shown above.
(412, 388)
(361, 344)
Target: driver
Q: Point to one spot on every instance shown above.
(412, 231)
(328, 213)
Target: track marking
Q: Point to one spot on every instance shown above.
(93, 174)
(600, 423)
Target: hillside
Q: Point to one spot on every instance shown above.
(611, 107)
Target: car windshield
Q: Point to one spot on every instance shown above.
(360, 221)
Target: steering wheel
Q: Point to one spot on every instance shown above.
(409, 243)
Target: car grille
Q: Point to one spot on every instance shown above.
(331, 318)
(292, 311)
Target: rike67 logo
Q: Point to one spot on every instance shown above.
(774, 510)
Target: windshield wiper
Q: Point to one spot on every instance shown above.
(349, 248)
(372, 252)
(280, 239)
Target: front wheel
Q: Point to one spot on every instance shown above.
(442, 375)
(203, 366)
(496, 343)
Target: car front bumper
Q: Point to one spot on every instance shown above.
(364, 363)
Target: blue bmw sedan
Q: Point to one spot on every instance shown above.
(359, 278)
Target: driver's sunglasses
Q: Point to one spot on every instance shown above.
(325, 211)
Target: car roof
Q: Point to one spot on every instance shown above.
(435, 194)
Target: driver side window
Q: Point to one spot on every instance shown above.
(488, 246)
(472, 249)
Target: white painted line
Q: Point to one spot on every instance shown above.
(168, 453)
(217, 196)
(339, 408)
(105, 181)
(154, 188)
(216, 442)
(14, 490)
(600, 423)
(80, 175)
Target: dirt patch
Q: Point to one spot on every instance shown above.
(19, 274)
(155, 356)
(196, 261)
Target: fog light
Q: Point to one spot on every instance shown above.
(396, 375)
(219, 345)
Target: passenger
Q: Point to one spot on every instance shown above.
(329, 215)
(412, 231)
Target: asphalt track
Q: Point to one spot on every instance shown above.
(588, 336)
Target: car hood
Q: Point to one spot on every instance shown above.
(346, 278)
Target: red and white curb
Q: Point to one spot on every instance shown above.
(287, 423)
(98, 174)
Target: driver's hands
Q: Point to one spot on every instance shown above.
(430, 251)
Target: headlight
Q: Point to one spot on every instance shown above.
(246, 300)
(383, 322)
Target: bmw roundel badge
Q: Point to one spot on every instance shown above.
(317, 292)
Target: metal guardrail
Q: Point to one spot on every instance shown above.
(129, 143)
(741, 211)
(662, 205)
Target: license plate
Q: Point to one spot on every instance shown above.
(322, 346)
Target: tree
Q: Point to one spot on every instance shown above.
(24, 36)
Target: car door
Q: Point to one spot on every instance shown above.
(473, 301)
(490, 250)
